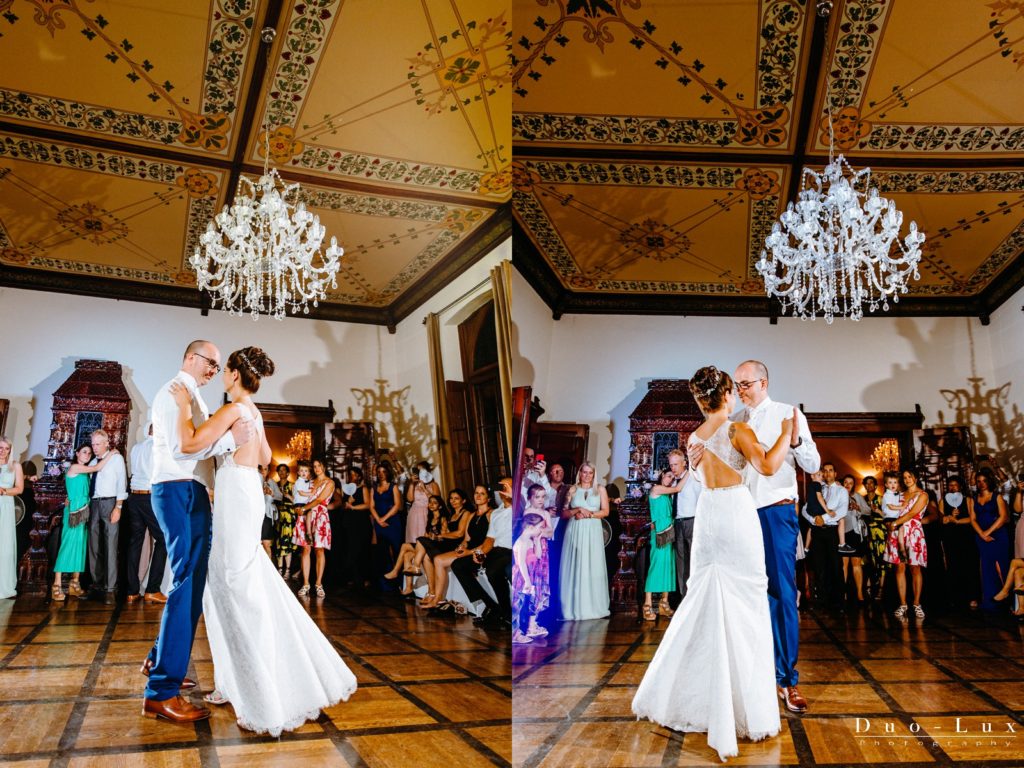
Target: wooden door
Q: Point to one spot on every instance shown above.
(461, 436)
(562, 443)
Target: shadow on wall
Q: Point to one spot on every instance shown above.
(996, 425)
(399, 425)
(618, 426)
(523, 372)
(340, 362)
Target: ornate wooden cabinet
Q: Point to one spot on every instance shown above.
(662, 421)
(94, 396)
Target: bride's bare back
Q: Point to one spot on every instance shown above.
(249, 454)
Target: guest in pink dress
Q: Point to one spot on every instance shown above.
(418, 490)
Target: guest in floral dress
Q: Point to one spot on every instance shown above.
(285, 544)
(530, 587)
(914, 551)
(313, 527)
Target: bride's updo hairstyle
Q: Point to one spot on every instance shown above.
(251, 364)
(709, 387)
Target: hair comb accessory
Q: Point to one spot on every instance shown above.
(248, 364)
(715, 378)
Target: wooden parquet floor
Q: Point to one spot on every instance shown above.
(937, 685)
(432, 691)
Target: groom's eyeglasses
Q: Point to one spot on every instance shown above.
(215, 367)
(743, 386)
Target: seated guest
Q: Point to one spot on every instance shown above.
(495, 556)
(139, 509)
(476, 532)
(1014, 585)
(459, 513)
(71, 556)
(418, 490)
(410, 556)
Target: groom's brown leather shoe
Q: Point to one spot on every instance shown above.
(793, 699)
(155, 597)
(187, 684)
(176, 709)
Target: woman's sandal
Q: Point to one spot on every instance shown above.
(320, 591)
(56, 594)
(215, 697)
(426, 599)
(664, 609)
(649, 614)
(413, 571)
(75, 589)
(304, 591)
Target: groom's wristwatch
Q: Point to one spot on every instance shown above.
(798, 443)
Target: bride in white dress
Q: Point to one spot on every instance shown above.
(714, 670)
(269, 659)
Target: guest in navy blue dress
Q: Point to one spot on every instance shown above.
(388, 530)
(989, 518)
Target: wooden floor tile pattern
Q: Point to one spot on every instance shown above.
(71, 692)
(862, 673)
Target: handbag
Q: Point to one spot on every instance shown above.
(668, 536)
(78, 516)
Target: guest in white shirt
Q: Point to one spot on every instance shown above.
(140, 518)
(495, 556)
(104, 515)
(828, 569)
(685, 504)
(534, 472)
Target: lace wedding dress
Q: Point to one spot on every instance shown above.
(714, 670)
(269, 659)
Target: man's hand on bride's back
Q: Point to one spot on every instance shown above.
(181, 395)
(243, 431)
(694, 453)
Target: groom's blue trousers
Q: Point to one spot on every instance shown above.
(780, 528)
(182, 509)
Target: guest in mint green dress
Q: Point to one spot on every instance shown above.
(71, 556)
(583, 576)
(661, 575)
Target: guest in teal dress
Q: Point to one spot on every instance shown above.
(661, 575)
(583, 579)
(71, 556)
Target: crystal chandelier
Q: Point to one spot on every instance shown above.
(300, 447)
(886, 456)
(837, 247)
(262, 255)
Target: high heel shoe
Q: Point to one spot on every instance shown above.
(664, 609)
(75, 589)
(56, 594)
(649, 614)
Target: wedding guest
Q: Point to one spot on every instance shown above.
(1014, 584)
(1017, 506)
(661, 574)
(534, 471)
(856, 536)
(284, 534)
(418, 490)
(583, 585)
(140, 518)
(530, 585)
(12, 483)
(989, 518)
(825, 538)
(387, 527)
(357, 529)
(963, 569)
(272, 496)
(556, 503)
(906, 544)
(410, 557)
(104, 517)
(71, 555)
(458, 516)
(313, 527)
(684, 510)
(935, 596)
(877, 534)
(476, 531)
(495, 557)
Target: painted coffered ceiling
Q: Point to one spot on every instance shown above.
(656, 142)
(124, 128)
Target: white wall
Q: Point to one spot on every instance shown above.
(360, 367)
(532, 328)
(1007, 334)
(599, 365)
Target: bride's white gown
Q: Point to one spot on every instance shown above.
(714, 670)
(269, 659)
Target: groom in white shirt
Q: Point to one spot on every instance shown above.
(775, 497)
(181, 485)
